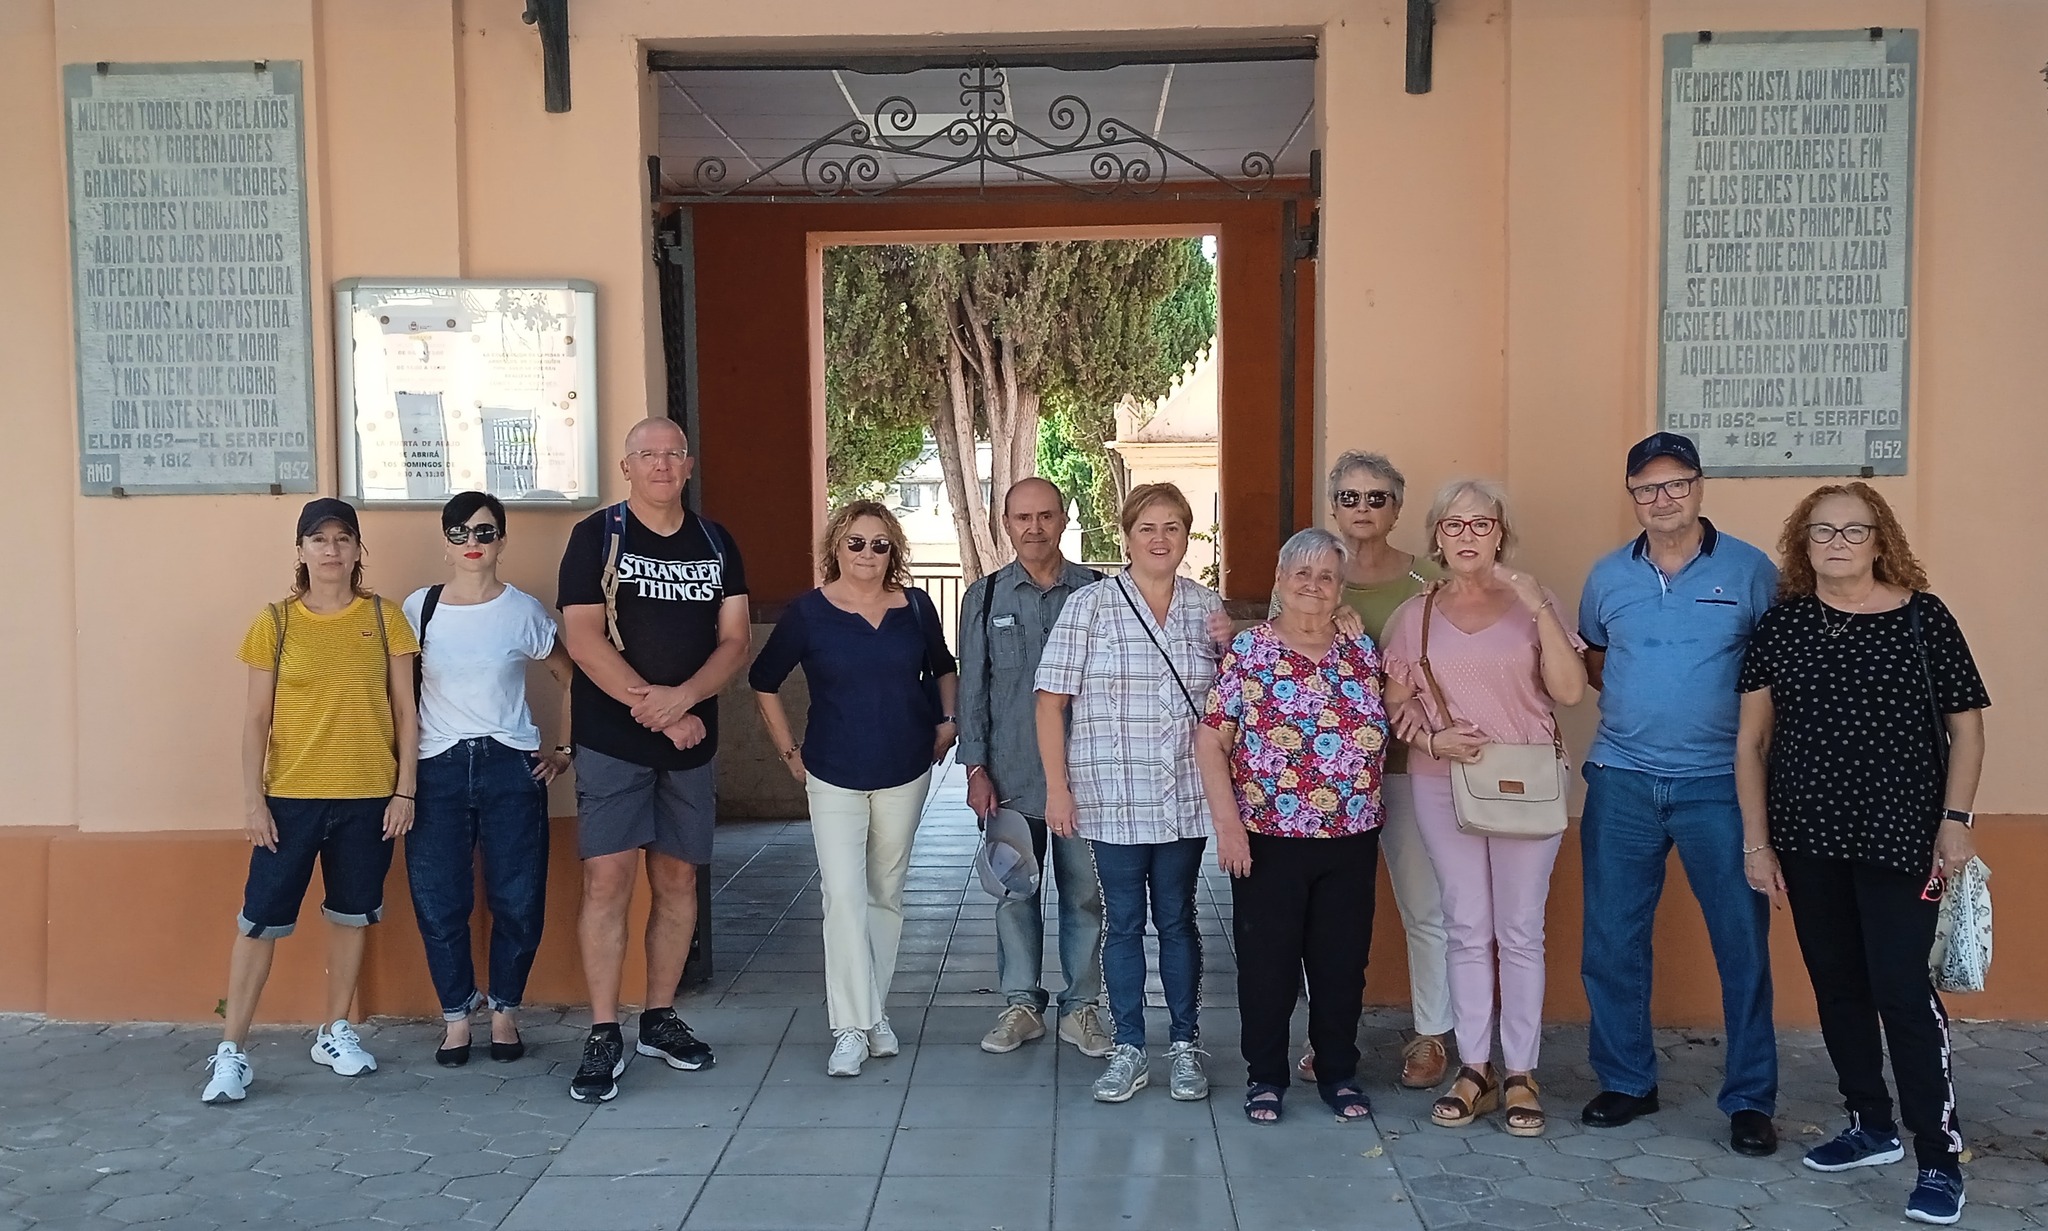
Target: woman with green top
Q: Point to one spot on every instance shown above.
(1365, 503)
(330, 752)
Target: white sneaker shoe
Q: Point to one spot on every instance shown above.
(849, 1049)
(230, 1080)
(341, 1049)
(882, 1040)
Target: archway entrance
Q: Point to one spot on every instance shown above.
(765, 163)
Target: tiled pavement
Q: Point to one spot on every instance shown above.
(100, 1126)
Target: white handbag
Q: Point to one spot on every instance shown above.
(1514, 790)
(1961, 958)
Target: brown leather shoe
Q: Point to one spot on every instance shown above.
(1424, 1062)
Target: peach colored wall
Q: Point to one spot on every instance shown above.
(1485, 293)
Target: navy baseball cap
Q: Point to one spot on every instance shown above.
(318, 513)
(1664, 444)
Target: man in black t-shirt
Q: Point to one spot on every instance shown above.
(654, 613)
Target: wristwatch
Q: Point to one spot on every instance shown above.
(1968, 820)
(565, 750)
(948, 718)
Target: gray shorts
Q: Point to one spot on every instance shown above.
(621, 806)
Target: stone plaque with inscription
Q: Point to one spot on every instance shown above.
(1788, 187)
(193, 313)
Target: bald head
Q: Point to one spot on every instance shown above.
(1035, 516)
(655, 433)
(1033, 486)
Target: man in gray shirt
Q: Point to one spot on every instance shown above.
(1004, 621)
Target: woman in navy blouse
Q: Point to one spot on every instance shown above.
(882, 686)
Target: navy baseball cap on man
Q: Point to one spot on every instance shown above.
(1664, 444)
(318, 513)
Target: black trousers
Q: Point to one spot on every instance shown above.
(1306, 908)
(1865, 932)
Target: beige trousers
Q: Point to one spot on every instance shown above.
(863, 841)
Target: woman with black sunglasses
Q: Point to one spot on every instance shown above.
(1856, 765)
(882, 685)
(483, 776)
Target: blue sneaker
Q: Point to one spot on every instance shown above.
(1938, 1197)
(1856, 1146)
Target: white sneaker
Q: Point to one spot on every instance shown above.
(230, 1080)
(849, 1048)
(1186, 1081)
(882, 1040)
(341, 1049)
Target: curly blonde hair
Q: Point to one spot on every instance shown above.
(898, 576)
(1895, 562)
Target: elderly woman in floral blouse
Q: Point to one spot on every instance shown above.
(1292, 748)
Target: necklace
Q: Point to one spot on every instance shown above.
(1834, 630)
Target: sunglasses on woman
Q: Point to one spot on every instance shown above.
(459, 535)
(880, 547)
(1374, 499)
(1455, 527)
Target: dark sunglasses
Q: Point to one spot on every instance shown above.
(881, 547)
(1374, 499)
(459, 535)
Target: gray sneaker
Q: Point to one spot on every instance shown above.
(1127, 1074)
(1188, 1082)
(1086, 1030)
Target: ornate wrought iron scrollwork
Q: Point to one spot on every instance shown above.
(849, 160)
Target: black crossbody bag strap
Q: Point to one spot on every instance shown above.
(1146, 624)
(1941, 741)
(988, 665)
(419, 660)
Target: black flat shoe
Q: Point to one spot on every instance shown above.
(1612, 1109)
(452, 1057)
(506, 1053)
(1752, 1133)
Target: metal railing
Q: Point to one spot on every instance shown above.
(947, 585)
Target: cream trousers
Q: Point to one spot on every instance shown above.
(863, 840)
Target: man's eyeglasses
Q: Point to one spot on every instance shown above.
(880, 547)
(648, 457)
(1374, 499)
(1855, 533)
(459, 535)
(1454, 527)
(1677, 489)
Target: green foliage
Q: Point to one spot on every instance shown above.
(1082, 324)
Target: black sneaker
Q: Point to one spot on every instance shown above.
(666, 1036)
(604, 1058)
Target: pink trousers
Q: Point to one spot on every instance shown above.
(1494, 890)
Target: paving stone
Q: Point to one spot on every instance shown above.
(1510, 1212)
(1459, 1188)
(1780, 1216)
(1606, 1215)
(1656, 1167)
(588, 1203)
(1485, 1166)
(1698, 1217)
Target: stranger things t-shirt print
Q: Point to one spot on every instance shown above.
(670, 589)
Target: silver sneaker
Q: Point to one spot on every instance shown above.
(1019, 1024)
(882, 1040)
(1188, 1082)
(1086, 1030)
(1128, 1073)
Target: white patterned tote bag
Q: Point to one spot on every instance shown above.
(1961, 958)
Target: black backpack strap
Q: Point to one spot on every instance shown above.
(419, 660)
(1146, 624)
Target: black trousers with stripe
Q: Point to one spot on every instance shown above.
(1865, 932)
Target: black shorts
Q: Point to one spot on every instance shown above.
(346, 838)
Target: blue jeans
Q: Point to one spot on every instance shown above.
(479, 794)
(1632, 821)
(1020, 929)
(1165, 872)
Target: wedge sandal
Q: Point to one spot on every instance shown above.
(1454, 1110)
(1523, 1116)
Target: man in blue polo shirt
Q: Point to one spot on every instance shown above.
(1666, 618)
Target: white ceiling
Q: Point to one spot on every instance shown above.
(1215, 113)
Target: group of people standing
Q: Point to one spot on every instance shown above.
(1810, 739)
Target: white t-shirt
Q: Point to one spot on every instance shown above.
(473, 661)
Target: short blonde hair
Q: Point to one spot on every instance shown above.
(898, 576)
(1488, 491)
(1145, 495)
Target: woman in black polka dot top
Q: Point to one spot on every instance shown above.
(1861, 742)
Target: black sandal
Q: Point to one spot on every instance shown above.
(1347, 1100)
(1264, 1097)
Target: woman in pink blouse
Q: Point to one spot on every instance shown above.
(1505, 661)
